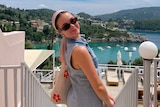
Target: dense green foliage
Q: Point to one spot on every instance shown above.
(84, 15)
(92, 31)
(138, 62)
(147, 13)
(25, 16)
(28, 45)
(152, 25)
(12, 14)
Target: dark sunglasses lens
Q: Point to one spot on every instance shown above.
(66, 27)
(73, 20)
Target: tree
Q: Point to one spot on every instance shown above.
(138, 62)
(46, 30)
(28, 45)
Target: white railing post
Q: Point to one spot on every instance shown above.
(128, 96)
(155, 61)
(22, 86)
(5, 87)
(148, 50)
(146, 90)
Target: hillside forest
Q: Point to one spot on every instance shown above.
(37, 25)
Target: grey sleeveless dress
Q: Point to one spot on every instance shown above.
(81, 93)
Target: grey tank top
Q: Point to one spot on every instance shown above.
(81, 93)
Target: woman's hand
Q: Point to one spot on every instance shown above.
(109, 104)
(111, 101)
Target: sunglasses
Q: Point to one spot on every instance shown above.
(66, 26)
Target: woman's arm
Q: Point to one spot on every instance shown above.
(81, 59)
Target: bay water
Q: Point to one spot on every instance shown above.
(107, 51)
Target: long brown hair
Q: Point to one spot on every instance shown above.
(62, 51)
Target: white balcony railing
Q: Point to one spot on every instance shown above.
(128, 96)
(21, 88)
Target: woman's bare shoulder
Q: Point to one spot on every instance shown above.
(80, 50)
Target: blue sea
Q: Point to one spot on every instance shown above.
(107, 51)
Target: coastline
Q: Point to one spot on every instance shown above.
(109, 48)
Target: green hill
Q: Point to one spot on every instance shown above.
(146, 13)
(14, 14)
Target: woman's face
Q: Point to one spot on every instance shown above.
(68, 26)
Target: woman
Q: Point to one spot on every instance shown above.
(87, 88)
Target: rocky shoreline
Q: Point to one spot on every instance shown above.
(130, 38)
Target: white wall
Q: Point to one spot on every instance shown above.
(12, 47)
(11, 53)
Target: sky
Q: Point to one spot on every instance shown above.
(92, 7)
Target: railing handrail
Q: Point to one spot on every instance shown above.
(9, 66)
(48, 74)
(45, 70)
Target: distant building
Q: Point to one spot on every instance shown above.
(99, 24)
(39, 24)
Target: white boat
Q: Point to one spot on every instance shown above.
(108, 47)
(100, 48)
(117, 45)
